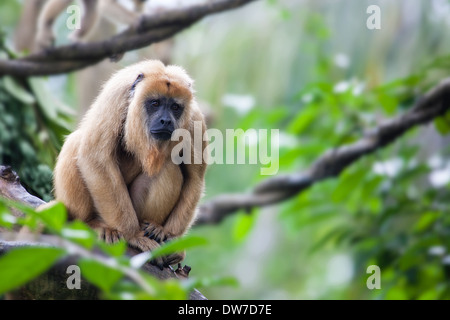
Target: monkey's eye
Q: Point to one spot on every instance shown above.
(175, 106)
(155, 103)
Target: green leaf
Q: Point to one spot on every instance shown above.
(17, 91)
(7, 220)
(397, 293)
(54, 216)
(114, 249)
(80, 233)
(348, 182)
(99, 274)
(242, 226)
(304, 118)
(442, 125)
(426, 220)
(178, 245)
(388, 102)
(21, 265)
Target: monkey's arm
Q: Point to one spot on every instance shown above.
(107, 188)
(109, 193)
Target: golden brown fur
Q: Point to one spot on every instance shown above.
(111, 172)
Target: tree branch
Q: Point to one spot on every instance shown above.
(151, 29)
(279, 188)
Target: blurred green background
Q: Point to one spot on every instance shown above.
(313, 70)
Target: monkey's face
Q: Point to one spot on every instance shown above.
(160, 101)
(164, 113)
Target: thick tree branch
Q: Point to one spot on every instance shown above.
(279, 188)
(152, 28)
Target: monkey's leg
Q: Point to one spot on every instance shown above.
(70, 188)
(145, 194)
(51, 10)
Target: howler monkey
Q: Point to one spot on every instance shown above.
(116, 173)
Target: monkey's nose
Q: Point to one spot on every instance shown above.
(166, 122)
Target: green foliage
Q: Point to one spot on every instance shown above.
(116, 275)
(31, 132)
(24, 264)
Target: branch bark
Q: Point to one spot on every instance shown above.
(279, 188)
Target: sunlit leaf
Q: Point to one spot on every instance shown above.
(115, 249)
(242, 226)
(348, 182)
(80, 233)
(426, 220)
(99, 274)
(55, 216)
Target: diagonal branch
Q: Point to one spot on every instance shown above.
(152, 28)
(282, 187)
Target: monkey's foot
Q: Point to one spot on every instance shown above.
(155, 232)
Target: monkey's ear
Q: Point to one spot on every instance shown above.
(135, 83)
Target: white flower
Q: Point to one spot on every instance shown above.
(241, 103)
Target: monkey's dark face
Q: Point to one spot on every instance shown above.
(163, 114)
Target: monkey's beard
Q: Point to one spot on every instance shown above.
(157, 155)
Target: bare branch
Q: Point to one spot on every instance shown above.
(279, 188)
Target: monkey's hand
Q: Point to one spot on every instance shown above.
(155, 232)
